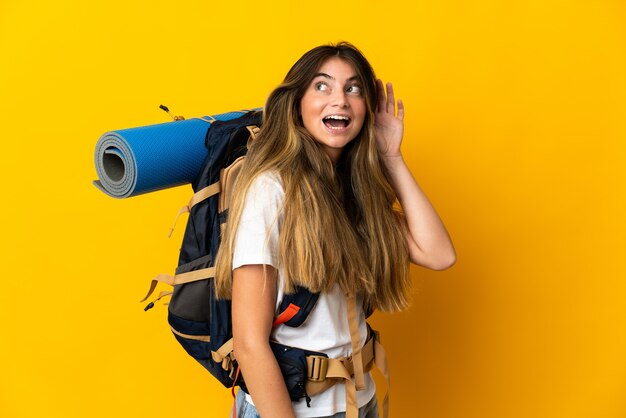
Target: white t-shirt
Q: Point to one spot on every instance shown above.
(326, 329)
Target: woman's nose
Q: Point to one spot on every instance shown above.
(340, 99)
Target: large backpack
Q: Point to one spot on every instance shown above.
(202, 323)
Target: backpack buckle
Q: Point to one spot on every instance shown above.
(317, 366)
(226, 363)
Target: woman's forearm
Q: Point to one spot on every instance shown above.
(254, 299)
(429, 242)
(264, 380)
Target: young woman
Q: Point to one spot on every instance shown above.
(314, 206)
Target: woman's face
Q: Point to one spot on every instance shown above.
(333, 106)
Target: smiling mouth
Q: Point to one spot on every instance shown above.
(336, 122)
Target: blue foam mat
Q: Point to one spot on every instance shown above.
(139, 160)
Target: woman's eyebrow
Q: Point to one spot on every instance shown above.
(354, 77)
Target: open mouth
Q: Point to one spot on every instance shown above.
(336, 121)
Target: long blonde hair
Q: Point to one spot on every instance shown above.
(339, 225)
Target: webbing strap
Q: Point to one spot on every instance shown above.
(335, 374)
(224, 351)
(198, 197)
(331, 371)
(211, 120)
(357, 359)
(194, 275)
(232, 391)
(336, 370)
(204, 193)
(324, 372)
(164, 294)
(182, 210)
(352, 408)
(381, 362)
(254, 131)
(205, 338)
(188, 277)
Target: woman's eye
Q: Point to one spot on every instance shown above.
(321, 86)
(354, 90)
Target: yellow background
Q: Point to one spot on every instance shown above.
(515, 128)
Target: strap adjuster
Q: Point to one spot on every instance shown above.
(317, 367)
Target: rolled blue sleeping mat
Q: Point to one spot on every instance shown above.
(139, 160)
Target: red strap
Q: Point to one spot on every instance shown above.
(286, 315)
(232, 390)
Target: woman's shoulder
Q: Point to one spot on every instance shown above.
(267, 182)
(265, 191)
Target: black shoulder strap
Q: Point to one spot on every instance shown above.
(295, 307)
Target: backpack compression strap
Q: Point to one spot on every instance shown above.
(225, 184)
(198, 197)
(190, 276)
(195, 275)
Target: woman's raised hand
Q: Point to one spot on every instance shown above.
(388, 127)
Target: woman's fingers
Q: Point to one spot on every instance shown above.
(380, 91)
(387, 100)
(391, 104)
